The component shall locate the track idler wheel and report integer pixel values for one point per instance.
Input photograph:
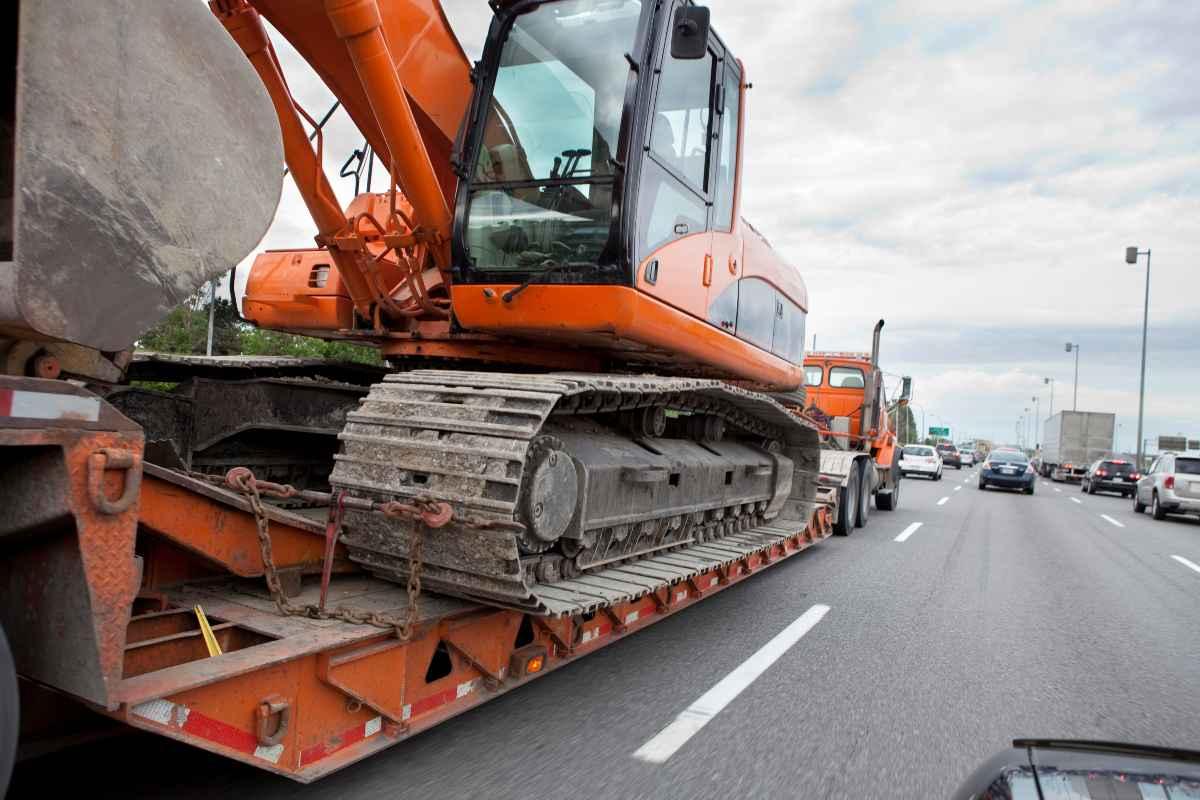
(549, 494)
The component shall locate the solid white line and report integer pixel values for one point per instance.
(1113, 521)
(689, 722)
(1076, 500)
(942, 502)
(907, 532)
(1189, 564)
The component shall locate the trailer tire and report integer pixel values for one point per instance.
(10, 708)
(847, 519)
(864, 495)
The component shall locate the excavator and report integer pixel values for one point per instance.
(594, 365)
(589, 341)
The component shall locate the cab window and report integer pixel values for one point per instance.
(813, 376)
(846, 378)
(725, 183)
(673, 196)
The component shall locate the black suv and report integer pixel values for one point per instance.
(950, 456)
(1110, 475)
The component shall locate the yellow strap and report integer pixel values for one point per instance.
(210, 640)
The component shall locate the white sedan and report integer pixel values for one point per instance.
(920, 459)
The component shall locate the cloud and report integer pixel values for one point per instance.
(971, 172)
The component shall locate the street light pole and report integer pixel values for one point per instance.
(1037, 420)
(1075, 396)
(1050, 381)
(1131, 257)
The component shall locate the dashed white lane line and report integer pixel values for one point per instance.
(943, 501)
(958, 488)
(1076, 500)
(1189, 564)
(1057, 489)
(907, 532)
(1113, 521)
(967, 480)
(689, 722)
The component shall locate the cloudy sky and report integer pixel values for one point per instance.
(972, 173)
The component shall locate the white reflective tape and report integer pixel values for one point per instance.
(48, 405)
(271, 753)
(712, 582)
(680, 595)
(464, 689)
(406, 712)
(160, 711)
(374, 725)
(631, 617)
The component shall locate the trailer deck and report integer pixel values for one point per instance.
(304, 697)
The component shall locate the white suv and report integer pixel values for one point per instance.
(920, 459)
(1172, 486)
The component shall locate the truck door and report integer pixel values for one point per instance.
(674, 236)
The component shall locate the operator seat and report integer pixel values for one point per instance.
(662, 140)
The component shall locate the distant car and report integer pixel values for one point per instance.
(949, 454)
(920, 459)
(1110, 475)
(966, 457)
(1009, 469)
(1172, 486)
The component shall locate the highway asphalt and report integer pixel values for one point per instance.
(999, 616)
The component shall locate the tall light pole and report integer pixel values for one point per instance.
(1050, 381)
(1131, 257)
(1075, 397)
(1037, 418)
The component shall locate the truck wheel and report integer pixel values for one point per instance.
(864, 496)
(847, 519)
(10, 706)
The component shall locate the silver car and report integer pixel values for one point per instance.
(1172, 486)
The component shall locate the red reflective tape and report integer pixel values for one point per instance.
(6, 398)
(343, 740)
(220, 732)
(434, 700)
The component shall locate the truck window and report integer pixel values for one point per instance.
(813, 375)
(846, 378)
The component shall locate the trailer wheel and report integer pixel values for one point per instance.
(847, 519)
(864, 496)
(10, 707)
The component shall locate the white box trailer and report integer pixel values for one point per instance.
(1072, 440)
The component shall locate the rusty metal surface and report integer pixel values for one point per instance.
(68, 566)
(465, 438)
(142, 172)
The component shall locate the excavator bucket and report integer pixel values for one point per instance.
(139, 158)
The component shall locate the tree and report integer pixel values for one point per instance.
(905, 424)
(185, 330)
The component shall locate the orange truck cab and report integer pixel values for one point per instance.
(845, 396)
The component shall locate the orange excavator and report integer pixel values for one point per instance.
(569, 202)
(588, 416)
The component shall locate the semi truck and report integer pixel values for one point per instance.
(1072, 440)
(859, 452)
(580, 427)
